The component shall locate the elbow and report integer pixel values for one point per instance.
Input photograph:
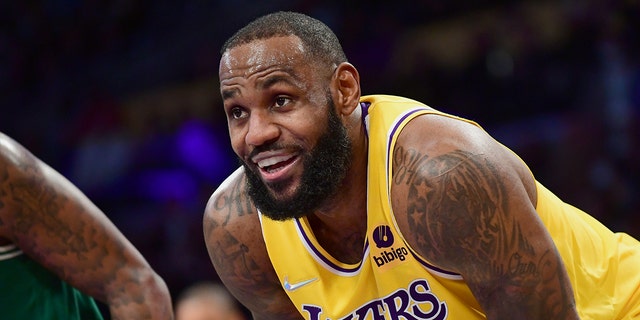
(141, 292)
(158, 290)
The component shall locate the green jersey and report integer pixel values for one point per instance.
(29, 291)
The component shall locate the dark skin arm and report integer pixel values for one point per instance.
(468, 205)
(238, 253)
(55, 224)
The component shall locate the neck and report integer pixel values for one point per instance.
(340, 225)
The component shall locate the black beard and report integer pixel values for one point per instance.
(325, 168)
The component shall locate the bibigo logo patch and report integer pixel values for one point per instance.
(384, 254)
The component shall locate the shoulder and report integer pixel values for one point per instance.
(442, 136)
(19, 173)
(466, 203)
(20, 167)
(230, 204)
(233, 237)
(436, 145)
(231, 224)
(452, 174)
(230, 216)
(13, 155)
(231, 196)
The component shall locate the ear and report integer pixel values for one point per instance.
(347, 88)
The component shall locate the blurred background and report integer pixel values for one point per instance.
(122, 97)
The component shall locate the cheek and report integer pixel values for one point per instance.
(237, 149)
(237, 141)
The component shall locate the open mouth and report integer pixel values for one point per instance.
(275, 164)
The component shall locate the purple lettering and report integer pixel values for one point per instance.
(375, 307)
(420, 292)
(414, 303)
(314, 311)
(397, 304)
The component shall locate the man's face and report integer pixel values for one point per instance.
(283, 126)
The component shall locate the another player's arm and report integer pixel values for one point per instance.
(53, 222)
(234, 241)
(467, 205)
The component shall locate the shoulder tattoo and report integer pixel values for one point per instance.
(458, 211)
(456, 202)
(234, 202)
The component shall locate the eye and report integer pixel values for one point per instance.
(281, 102)
(237, 113)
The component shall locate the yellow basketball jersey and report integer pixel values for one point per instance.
(393, 282)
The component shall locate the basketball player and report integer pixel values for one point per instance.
(58, 251)
(381, 207)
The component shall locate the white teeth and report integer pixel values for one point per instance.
(273, 160)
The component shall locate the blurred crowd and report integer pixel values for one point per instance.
(122, 97)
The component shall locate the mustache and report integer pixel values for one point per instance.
(273, 147)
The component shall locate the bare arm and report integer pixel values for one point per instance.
(234, 241)
(468, 205)
(54, 223)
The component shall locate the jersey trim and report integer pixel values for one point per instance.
(390, 143)
(319, 255)
(9, 251)
(433, 269)
(325, 261)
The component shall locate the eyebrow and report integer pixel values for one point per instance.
(229, 93)
(266, 83)
(270, 81)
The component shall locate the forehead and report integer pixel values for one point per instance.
(259, 55)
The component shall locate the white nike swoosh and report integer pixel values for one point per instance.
(295, 286)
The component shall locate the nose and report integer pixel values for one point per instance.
(261, 130)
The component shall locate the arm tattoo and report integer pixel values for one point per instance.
(234, 202)
(40, 205)
(458, 211)
(228, 247)
(63, 232)
(231, 257)
(71, 248)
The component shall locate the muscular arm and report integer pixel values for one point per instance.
(234, 241)
(54, 223)
(467, 205)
